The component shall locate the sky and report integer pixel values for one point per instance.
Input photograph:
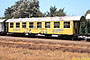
(72, 7)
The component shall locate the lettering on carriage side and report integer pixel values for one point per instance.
(58, 30)
(16, 29)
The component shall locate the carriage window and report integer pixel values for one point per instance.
(66, 24)
(24, 25)
(47, 24)
(30, 24)
(39, 25)
(11, 25)
(17, 25)
(56, 24)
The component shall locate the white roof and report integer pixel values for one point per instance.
(88, 16)
(66, 18)
(2, 20)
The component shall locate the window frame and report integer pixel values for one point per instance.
(31, 26)
(12, 26)
(58, 25)
(17, 26)
(39, 26)
(49, 25)
(24, 25)
(67, 24)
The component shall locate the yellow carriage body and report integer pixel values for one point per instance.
(37, 22)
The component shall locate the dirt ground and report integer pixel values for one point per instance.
(7, 53)
(14, 48)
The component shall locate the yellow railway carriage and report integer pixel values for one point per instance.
(46, 25)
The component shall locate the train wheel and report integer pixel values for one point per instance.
(48, 35)
(32, 35)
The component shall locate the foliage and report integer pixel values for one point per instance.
(60, 12)
(88, 12)
(30, 8)
(24, 8)
(53, 12)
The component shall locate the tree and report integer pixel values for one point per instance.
(88, 12)
(53, 12)
(8, 13)
(24, 8)
(60, 12)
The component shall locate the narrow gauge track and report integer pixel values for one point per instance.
(45, 44)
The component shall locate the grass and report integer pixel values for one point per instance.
(7, 53)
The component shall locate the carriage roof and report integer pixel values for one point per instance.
(66, 18)
(88, 16)
(2, 20)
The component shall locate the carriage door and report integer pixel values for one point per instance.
(6, 27)
(83, 25)
(89, 26)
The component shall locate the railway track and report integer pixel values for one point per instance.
(45, 44)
